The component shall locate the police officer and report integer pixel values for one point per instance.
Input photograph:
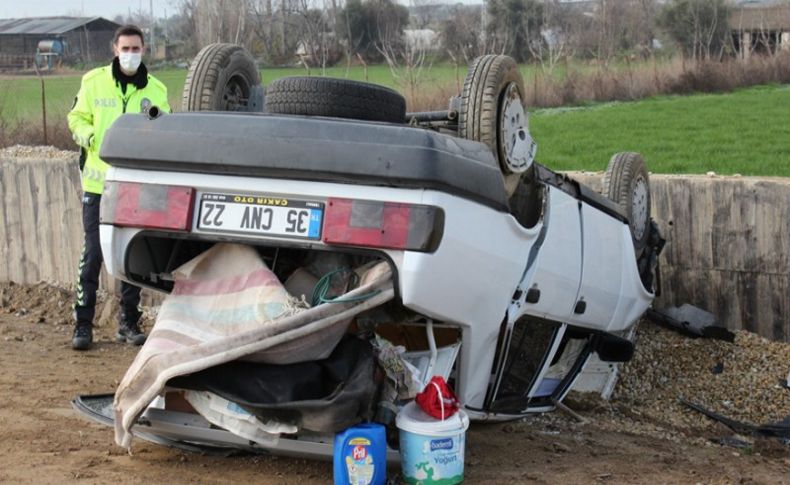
(105, 94)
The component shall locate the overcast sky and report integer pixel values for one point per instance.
(10, 9)
(108, 9)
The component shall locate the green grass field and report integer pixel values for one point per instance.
(741, 132)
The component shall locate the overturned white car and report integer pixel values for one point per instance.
(490, 269)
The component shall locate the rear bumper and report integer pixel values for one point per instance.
(307, 149)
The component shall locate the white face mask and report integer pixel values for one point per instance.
(130, 61)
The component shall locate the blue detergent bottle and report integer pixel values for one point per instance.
(360, 455)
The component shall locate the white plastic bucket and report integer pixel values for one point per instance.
(432, 450)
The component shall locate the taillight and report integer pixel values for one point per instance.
(382, 224)
(147, 206)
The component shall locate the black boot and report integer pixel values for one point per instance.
(128, 324)
(130, 332)
(83, 337)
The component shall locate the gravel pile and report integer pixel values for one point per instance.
(37, 152)
(741, 380)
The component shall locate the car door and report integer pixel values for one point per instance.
(604, 241)
(552, 279)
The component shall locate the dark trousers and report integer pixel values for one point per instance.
(90, 267)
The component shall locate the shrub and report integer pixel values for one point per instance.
(635, 81)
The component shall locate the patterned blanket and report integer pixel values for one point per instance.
(226, 305)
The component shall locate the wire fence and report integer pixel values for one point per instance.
(16, 61)
(33, 107)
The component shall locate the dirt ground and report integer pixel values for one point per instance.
(43, 441)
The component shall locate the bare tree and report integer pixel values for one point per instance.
(623, 27)
(218, 21)
(371, 24)
(512, 25)
(461, 34)
(422, 13)
(700, 27)
(406, 64)
(261, 20)
(405, 57)
(318, 43)
(554, 44)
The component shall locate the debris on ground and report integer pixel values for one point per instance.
(691, 320)
(739, 379)
(779, 430)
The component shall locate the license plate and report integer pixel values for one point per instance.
(260, 215)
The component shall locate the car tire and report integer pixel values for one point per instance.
(490, 79)
(338, 98)
(222, 77)
(626, 182)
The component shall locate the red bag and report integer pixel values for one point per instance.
(437, 399)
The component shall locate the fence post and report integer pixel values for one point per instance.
(43, 101)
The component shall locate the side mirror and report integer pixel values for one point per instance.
(611, 348)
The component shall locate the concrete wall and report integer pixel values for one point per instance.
(728, 247)
(728, 238)
(41, 226)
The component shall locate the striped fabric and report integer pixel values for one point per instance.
(227, 305)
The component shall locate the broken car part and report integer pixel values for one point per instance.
(690, 320)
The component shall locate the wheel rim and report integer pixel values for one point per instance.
(236, 94)
(513, 129)
(639, 207)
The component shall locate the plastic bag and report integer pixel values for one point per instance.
(437, 399)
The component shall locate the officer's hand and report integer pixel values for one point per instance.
(83, 141)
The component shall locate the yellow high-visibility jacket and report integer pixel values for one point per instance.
(99, 103)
